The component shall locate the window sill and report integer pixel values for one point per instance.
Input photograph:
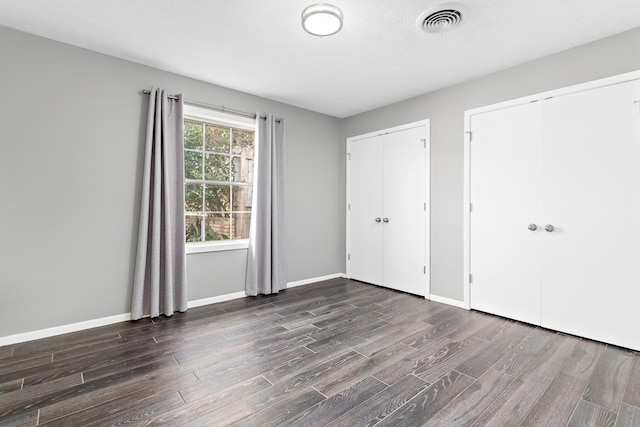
(197, 248)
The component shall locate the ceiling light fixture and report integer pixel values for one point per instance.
(322, 19)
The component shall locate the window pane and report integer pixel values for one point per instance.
(216, 167)
(241, 223)
(218, 227)
(242, 198)
(217, 139)
(242, 169)
(192, 134)
(193, 197)
(243, 142)
(192, 226)
(192, 165)
(217, 152)
(217, 198)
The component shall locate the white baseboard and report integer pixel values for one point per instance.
(315, 279)
(104, 321)
(64, 329)
(213, 300)
(448, 301)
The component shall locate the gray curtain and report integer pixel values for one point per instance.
(159, 285)
(266, 261)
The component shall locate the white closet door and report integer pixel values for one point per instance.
(366, 199)
(404, 209)
(505, 254)
(591, 194)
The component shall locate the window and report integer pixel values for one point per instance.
(218, 184)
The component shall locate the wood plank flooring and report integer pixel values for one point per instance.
(335, 353)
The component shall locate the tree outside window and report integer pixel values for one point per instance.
(218, 163)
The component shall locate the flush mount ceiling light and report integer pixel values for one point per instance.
(442, 18)
(322, 19)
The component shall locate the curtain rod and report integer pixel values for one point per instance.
(213, 107)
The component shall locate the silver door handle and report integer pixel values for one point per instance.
(532, 227)
(385, 220)
(378, 219)
(549, 228)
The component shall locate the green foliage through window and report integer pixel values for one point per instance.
(194, 234)
(218, 163)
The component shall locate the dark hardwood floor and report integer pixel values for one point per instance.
(336, 353)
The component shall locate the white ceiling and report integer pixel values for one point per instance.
(379, 57)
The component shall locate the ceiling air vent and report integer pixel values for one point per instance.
(441, 19)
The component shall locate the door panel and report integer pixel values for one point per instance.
(505, 254)
(404, 207)
(366, 235)
(590, 188)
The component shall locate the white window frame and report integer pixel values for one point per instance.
(206, 114)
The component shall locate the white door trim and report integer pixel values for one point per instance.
(468, 137)
(426, 123)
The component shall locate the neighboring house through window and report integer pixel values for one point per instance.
(218, 184)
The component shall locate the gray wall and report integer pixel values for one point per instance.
(445, 108)
(71, 149)
(71, 125)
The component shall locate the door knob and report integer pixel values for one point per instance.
(378, 219)
(532, 227)
(385, 220)
(549, 228)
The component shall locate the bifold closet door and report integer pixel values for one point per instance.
(405, 210)
(504, 188)
(590, 194)
(387, 213)
(366, 183)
